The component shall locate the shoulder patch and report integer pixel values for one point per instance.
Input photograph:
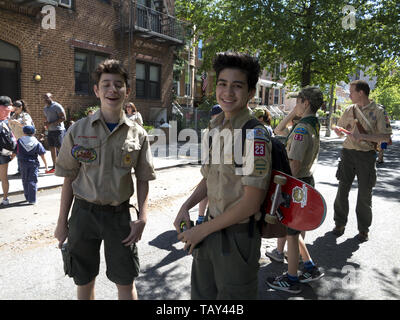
(300, 130)
(261, 134)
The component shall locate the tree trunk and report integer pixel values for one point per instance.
(329, 119)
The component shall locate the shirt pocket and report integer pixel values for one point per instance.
(127, 157)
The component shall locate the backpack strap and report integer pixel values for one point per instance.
(250, 124)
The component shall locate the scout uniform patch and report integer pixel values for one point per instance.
(127, 159)
(260, 167)
(299, 133)
(259, 148)
(260, 134)
(83, 154)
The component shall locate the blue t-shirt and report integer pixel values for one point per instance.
(111, 126)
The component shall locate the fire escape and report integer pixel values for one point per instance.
(150, 20)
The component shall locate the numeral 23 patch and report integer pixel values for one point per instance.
(259, 148)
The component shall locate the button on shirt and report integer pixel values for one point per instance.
(225, 182)
(101, 162)
(377, 118)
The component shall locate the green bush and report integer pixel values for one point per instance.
(83, 112)
(148, 128)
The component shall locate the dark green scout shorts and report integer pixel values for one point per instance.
(89, 225)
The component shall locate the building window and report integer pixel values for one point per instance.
(276, 96)
(266, 96)
(200, 50)
(148, 80)
(65, 3)
(85, 63)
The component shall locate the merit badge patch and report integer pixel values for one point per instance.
(299, 195)
(261, 134)
(83, 154)
(259, 148)
(298, 137)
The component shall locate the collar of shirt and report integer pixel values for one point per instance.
(236, 122)
(122, 119)
(372, 104)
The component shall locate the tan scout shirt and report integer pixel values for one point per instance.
(100, 161)
(303, 145)
(376, 116)
(224, 182)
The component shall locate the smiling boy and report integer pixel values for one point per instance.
(225, 265)
(96, 159)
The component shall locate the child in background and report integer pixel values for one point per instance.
(28, 149)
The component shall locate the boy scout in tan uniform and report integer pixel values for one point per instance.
(359, 156)
(227, 246)
(303, 148)
(96, 159)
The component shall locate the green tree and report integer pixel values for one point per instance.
(310, 36)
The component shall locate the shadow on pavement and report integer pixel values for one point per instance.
(158, 282)
(333, 258)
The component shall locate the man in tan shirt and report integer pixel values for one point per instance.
(226, 248)
(96, 159)
(359, 156)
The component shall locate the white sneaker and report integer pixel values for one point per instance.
(5, 202)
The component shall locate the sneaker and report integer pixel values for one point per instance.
(362, 236)
(311, 275)
(5, 202)
(51, 171)
(338, 230)
(275, 255)
(283, 283)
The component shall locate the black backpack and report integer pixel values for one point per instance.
(280, 161)
(7, 140)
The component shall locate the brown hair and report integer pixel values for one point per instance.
(361, 85)
(110, 66)
(267, 118)
(21, 103)
(132, 105)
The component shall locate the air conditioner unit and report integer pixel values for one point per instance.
(65, 3)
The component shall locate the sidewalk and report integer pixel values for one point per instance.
(47, 181)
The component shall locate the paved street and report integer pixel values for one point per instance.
(31, 266)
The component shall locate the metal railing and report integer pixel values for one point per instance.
(139, 18)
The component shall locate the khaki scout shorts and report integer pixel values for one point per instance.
(89, 225)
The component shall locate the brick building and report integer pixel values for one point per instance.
(54, 45)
